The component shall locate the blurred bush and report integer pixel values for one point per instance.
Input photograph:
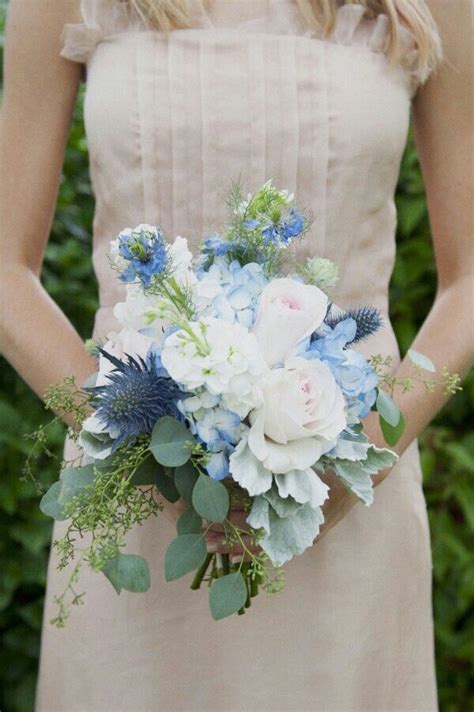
(447, 445)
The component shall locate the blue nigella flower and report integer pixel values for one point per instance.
(286, 230)
(138, 394)
(144, 249)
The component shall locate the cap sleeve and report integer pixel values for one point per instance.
(353, 28)
(100, 19)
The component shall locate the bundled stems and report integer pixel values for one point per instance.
(201, 572)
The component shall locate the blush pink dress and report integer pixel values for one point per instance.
(251, 91)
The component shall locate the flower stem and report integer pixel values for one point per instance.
(225, 563)
(201, 572)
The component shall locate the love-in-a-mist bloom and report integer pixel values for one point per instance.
(140, 254)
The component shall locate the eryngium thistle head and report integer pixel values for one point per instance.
(137, 395)
(367, 318)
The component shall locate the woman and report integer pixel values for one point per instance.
(316, 95)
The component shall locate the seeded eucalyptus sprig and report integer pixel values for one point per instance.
(391, 419)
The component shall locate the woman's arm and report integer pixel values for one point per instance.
(443, 122)
(40, 91)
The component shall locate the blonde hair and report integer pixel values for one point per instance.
(168, 15)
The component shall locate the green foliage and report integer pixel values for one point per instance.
(184, 554)
(446, 446)
(128, 572)
(189, 522)
(227, 595)
(171, 443)
(210, 499)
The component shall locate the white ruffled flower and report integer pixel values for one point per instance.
(181, 262)
(119, 344)
(138, 309)
(224, 358)
(289, 311)
(301, 416)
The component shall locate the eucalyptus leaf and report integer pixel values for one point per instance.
(210, 499)
(184, 554)
(185, 477)
(387, 408)
(128, 572)
(392, 434)
(164, 481)
(189, 522)
(49, 504)
(74, 482)
(171, 442)
(227, 595)
(421, 360)
(146, 473)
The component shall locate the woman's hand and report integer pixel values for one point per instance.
(215, 536)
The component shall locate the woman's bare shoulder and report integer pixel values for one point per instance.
(43, 18)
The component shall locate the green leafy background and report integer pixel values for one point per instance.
(447, 445)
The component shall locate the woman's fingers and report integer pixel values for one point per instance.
(216, 543)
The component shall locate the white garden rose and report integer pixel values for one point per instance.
(288, 312)
(302, 414)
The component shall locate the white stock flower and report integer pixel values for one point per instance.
(288, 312)
(301, 416)
(134, 312)
(127, 341)
(181, 261)
(225, 358)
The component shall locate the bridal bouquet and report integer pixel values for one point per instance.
(228, 385)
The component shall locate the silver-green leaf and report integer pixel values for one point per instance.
(171, 442)
(387, 408)
(128, 572)
(227, 595)
(49, 504)
(210, 499)
(74, 482)
(184, 554)
(189, 522)
(421, 360)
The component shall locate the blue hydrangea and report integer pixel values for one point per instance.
(138, 393)
(350, 368)
(239, 288)
(216, 428)
(144, 251)
(217, 245)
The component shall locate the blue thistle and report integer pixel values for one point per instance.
(367, 318)
(145, 251)
(138, 394)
